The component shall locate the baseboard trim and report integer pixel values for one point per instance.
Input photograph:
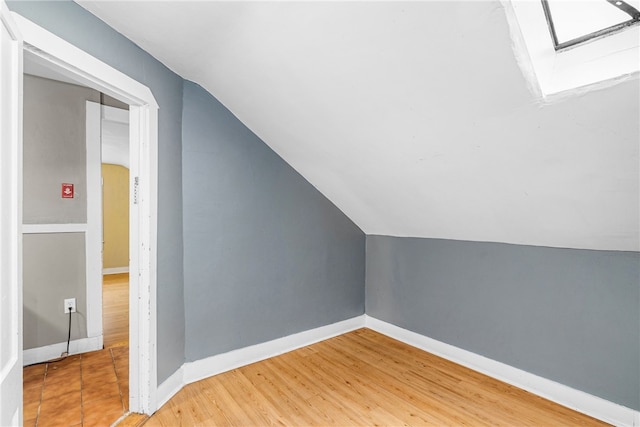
(115, 270)
(170, 387)
(566, 396)
(53, 351)
(194, 371)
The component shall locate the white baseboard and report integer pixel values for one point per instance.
(566, 396)
(204, 368)
(115, 270)
(170, 387)
(53, 351)
(194, 371)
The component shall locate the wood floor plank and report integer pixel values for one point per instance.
(353, 404)
(384, 389)
(280, 393)
(253, 399)
(285, 370)
(389, 372)
(359, 379)
(115, 309)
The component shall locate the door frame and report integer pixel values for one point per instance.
(54, 52)
(93, 245)
(10, 220)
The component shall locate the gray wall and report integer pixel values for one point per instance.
(572, 316)
(72, 23)
(54, 151)
(266, 255)
(54, 269)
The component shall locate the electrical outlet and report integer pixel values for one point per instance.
(69, 303)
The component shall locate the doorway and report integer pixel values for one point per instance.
(63, 231)
(64, 59)
(114, 142)
(108, 128)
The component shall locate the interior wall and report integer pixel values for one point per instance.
(115, 219)
(54, 269)
(77, 26)
(266, 255)
(572, 316)
(54, 152)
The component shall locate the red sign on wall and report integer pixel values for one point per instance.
(67, 191)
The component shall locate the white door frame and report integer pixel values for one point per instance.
(93, 240)
(10, 220)
(52, 51)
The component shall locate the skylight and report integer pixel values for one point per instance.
(574, 22)
(596, 43)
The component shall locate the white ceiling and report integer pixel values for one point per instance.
(413, 118)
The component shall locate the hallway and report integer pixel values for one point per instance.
(90, 389)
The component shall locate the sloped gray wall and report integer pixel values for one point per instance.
(266, 255)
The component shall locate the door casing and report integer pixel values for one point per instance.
(10, 220)
(54, 52)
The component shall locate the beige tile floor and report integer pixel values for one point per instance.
(90, 389)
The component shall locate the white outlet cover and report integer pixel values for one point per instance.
(69, 302)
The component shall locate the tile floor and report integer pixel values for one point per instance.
(90, 389)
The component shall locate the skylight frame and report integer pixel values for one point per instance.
(620, 4)
(552, 75)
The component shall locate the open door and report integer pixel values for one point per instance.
(10, 221)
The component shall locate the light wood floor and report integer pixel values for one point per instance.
(90, 389)
(361, 378)
(115, 310)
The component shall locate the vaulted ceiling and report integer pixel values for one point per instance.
(414, 118)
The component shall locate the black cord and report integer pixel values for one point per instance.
(64, 355)
(69, 335)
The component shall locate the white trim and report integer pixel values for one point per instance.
(194, 371)
(52, 51)
(143, 128)
(53, 351)
(203, 368)
(53, 228)
(170, 386)
(114, 114)
(115, 270)
(566, 396)
(72, 62)
(11, 310)
(93, 240)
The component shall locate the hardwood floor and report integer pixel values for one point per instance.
(90, 389)
(115, 310)
(359, 379)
